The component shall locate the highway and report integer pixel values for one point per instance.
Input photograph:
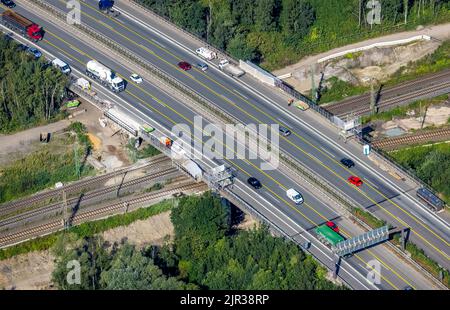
(166, 110)
(140, 33)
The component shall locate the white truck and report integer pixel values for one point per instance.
(61, 65)
(97, 71)
(232, 70)
(206, 53)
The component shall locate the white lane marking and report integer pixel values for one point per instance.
(271, 196)
(240, 94)
(145, 118)
(323, 149)
(295, 119)
(311, 237)
(160, 44)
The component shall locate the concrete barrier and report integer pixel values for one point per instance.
(379, 44)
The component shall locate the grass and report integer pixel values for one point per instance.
(368, 218)
(51, 163)
(143, 152)
(339, 90)
(402, 110)
(419, 256)
(87, 229)
(431, 164)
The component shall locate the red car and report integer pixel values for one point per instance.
(184, 65)
(333, 226)
(355, 180)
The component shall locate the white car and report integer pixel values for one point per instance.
(136, 78)
(294, 196)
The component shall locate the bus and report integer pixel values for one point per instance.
(430, 199)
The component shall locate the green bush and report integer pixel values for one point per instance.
(277, 33)
(430, 163)
(86, 229)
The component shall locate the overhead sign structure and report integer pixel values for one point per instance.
(362, 241)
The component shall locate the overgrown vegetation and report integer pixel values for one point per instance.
(86, 229)
(423, 260)
(430, 163)
(418, 107)
(31, 93)
(338, 90)
(51, 163)
(435, 62)
(432, 63)
(277, 33)
(368, 218)
(206, 254)
(143, 152)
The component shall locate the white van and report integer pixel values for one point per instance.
(58, 63)
(294, 196)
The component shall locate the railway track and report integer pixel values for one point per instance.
(101, 212)
(393, 96)
(73, 187)
(391, 143)
(77, 201)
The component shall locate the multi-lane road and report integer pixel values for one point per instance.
(315, 146)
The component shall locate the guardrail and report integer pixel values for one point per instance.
(155, 15)
(190, 92)
(238, 201)
(284, 86)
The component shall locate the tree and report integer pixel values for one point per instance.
(93, 259)
(239, 48)
(297, 16)
(198, 222)
(190, 15)
(265, 18)
(131, 270)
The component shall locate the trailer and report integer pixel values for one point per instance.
(232, 70)
(206, 53)
(328, 236)
(106, 76)
(26, 27)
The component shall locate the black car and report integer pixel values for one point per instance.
(9, 3)
(347, 162)
(284, 131)
(254, 182)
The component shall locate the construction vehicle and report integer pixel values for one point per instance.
(83, 84)
(26, 27)
(105, 76)
(232, 70)
(166, 141)
(301, 105)
(206, 53)
(328, 236)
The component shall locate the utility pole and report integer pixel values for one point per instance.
(76, 159)
(373, 104)
(313, 84)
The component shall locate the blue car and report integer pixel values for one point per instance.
(9, 3)
(202, 66)
(35, 52)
